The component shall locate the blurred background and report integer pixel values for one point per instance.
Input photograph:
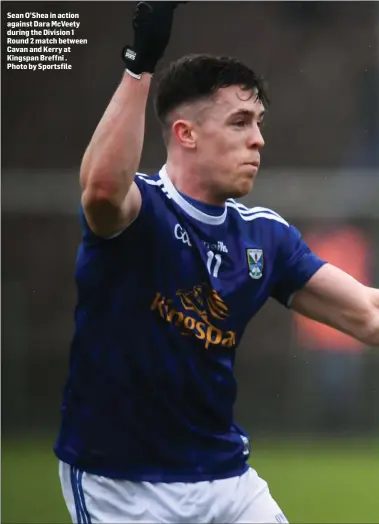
(308, 396)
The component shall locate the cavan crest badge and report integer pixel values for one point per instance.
(255, 262)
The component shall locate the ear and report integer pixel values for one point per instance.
(184, 133)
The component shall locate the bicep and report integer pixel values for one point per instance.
(104, 218)
(335, 298)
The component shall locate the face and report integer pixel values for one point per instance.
(228, 142)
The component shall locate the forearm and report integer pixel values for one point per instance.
(336, 299)
(113, 154)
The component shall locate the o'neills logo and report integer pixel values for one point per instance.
(199, 304)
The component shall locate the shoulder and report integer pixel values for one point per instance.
(150, 184)
(155, 196)
(254, 215)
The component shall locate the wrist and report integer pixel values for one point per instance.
(139, 82)
(134, 75)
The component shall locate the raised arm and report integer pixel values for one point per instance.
(336, 299)
(110, 199)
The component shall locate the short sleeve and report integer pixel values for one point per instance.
(146, 210)
(295, 265)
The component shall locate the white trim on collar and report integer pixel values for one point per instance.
(186, 206)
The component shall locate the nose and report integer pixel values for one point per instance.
(255, 140)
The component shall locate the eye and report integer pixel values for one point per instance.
(240, 123)
(260, 124)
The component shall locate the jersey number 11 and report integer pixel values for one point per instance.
(213, 263)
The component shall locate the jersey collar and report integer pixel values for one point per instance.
(191, 210)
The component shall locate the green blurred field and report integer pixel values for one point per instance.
(314, 482)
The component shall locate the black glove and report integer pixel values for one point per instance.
(152, 24)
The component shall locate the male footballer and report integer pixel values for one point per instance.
(170, 271)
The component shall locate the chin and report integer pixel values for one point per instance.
(243, 188)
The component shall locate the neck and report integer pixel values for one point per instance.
(189, 182)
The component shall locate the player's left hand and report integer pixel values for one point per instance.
(152, 24)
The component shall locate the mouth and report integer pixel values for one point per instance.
(254, 166)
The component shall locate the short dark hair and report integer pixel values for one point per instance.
(196, 77)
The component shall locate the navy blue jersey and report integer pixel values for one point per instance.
(161, 310)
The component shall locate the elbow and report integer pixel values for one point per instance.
(100, 200)
(99, 188)
(93, 192)
(363, 322)
(102, 212)
(366, 327)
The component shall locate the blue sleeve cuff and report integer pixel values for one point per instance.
(296, 276)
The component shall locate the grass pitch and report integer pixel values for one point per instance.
(323, 482)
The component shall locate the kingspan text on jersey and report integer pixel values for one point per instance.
(187, 324)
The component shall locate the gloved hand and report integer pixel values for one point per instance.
(152, 24)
